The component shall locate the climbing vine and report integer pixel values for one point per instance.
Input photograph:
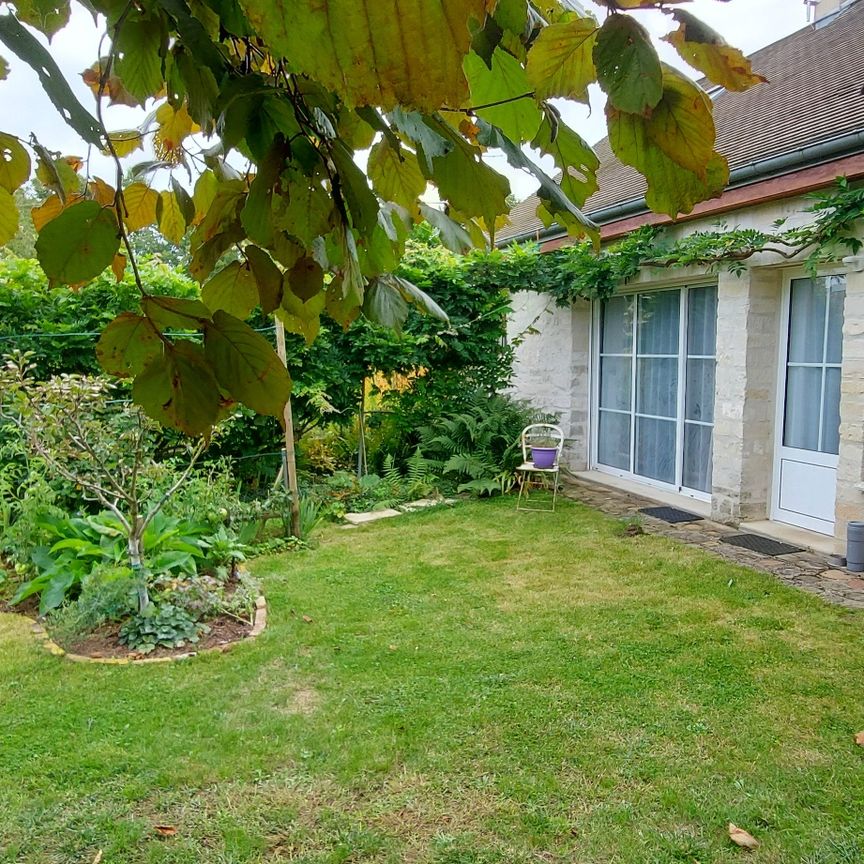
(578, 271)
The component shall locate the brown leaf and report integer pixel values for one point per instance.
(307, 619)
(859, 739)
(98, 858)
(118, 266)
(165, 830)
(741, 838)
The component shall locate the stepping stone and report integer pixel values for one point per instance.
(372, 516)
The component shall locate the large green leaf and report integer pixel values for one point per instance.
(36, 56)
(506, 83)
(8, 217)
(429, 142)
(48, 16)
(470, 185)
(396, 176)
(233, 289)
(573, 156)
(374, 52)
(246, 365)
(681, 124)
(561, 61)
(268, 278)
(672, 188)
(128, 344)
(304, 211)
(139, 65)
(628, 68)
(14, 163)
(167, 312)
(452, 235)
(179, 389)
(79, 244)
(706, 50)
(385, 305)
(302, 317)
(361, 202)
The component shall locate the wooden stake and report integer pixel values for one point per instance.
(290, 455)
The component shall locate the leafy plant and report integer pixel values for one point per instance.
(163, 626)
(480, 447)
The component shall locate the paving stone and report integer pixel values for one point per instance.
(373, 516)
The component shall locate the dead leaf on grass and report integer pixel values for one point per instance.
(307, 619)
(859, 739)
(741, 838)
(165, 830)
(98, 857)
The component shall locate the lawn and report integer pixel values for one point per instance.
(462, 686)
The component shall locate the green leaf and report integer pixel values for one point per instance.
(268, 278)
(184, 201)
(14, 163)
(233, 289)
(561, 61)
(25, 46)
(128, 344)
(305, 279)
(257, 213)
(573, 156)
(79, 244)
(681, 124)
(167, 312)
(202, 89)
(362, 203)
(706, 50)
(179, 389)
(385, 305)
(246, 365)
(47, 16)
(430, 143)
(470, 185)
(396, 176)
(519, 118)
(4, 69)
(139, 66)
(414, 295)
(306, 212)
(549, 192)
(374, 52)
(8, 217)
(628, 68)
(453, 236)
(672, 189)
(302, 317)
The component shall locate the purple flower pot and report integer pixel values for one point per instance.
(544, 457)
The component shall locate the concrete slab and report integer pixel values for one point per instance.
(372, 516)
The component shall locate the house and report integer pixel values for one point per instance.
(740, 396)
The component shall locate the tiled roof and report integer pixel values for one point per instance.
(815, 93)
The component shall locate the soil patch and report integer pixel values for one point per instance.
(104, 643)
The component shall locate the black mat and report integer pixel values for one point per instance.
(763, 545)
(672, 515)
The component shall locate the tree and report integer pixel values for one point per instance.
(295, 91)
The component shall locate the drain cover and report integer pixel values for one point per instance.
(763, 545)
(670, 514)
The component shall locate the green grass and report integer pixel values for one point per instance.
(476, 686)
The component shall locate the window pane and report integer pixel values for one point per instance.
(615, 382)
(807, 321)
(658, 323)
(613, 440)
(655, 449)
(803, 394)
(699, 397)
(698, 447)
(617, 329)
(702, 321)
(657, 386)
(831, 412)
(836, 298)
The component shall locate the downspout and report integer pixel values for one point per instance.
(743, 175)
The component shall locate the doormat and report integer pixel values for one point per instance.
(763, 545)
(672, 515)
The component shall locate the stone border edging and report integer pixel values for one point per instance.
(258, 625)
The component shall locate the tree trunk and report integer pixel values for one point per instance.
(135, 564)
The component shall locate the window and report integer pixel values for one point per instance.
(655, 394)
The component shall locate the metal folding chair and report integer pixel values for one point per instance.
(534, 473)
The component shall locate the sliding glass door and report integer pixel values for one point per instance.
(655, 387)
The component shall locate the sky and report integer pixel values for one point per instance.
(25, 109)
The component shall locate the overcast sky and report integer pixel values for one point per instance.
(24, 108)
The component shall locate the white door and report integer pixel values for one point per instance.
(809, 420)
